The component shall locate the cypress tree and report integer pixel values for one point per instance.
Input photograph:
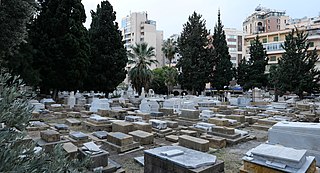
(108, 55)
(195, 57)
(296, 72)
(252, 73)
(222, 73)
(61, 44)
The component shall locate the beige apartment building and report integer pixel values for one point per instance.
(272, 42)
(265, 20)
(137, 28)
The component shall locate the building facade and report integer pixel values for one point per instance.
(265, 20)
(137, 28)
(272, 42)
(235, 42)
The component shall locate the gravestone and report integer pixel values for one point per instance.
(144, 138)
(180, 159)
(194, 143)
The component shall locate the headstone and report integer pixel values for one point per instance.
(71, 100)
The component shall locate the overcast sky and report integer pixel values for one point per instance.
(170, 15)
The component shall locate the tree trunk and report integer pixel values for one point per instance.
(276, 96)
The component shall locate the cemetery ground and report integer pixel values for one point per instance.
(231, 155)
(188, 134)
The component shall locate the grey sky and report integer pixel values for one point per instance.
(172, 14)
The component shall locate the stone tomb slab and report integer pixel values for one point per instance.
(73, 122)
(166, 111)
(172, 138)
(78, 138)
(90, 126)
(163, 160)
(189, 132)
(215, 141)
(142, 126)
(120, 142)
(144, 138)
(190, 114)
(50, 135)
(122, 126)
(70, 149)
(194, 143)
(98, 160)
(100, 134)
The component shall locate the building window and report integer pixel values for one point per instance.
(142, 33)
(273, 58)
(141, 39)
(285, 21)
(232, 36)
(264, 40)
(268, 20)
(232, 49)
(278, 27)
(311, 44)
(276, 38)
(233, 58)
(268, 27)
(278, 20)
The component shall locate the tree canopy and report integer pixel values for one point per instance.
(195, 63)
(108, 55)
(222, 73)
(252, 73)
(296, 72)
(61, 45)
(141, 57)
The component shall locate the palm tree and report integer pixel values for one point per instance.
(141, 57)
(169, 48)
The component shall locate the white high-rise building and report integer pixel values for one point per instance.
(137, 28)
(235, 42)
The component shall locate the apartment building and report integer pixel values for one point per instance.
(272, 42)
(265, 20)
(235, 42)
(137, 28)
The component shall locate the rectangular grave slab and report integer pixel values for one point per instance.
(133, 118)
(156, 114)
(172, 124)
(190, 114)
(78, 136)
(297, 135)
(119, 138)
(61, 127)
(172, 138)
(50, 136)
(73, 122)
(279, 158)
(283, 155)
(194, 143)
(144, 138)
(158, 124)
(189, 132)
(122, 126)
(90, 126)
(100, 134)
(98, 160)
(219, 121)
(166, 111)
(70, 149)
(215, 141)
(145, 116)
(181, 160)
(142, 126)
